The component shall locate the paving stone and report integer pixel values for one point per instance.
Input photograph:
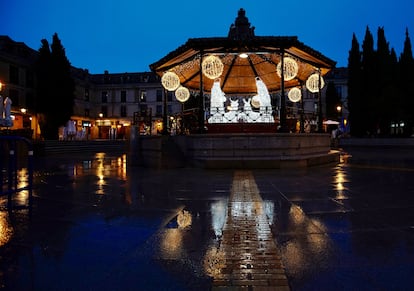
(252, 260)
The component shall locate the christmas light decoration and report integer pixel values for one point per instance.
(170, 81)
(290, 68)
(212, 67)
(313, 81)
(294, 94)
(182, 94)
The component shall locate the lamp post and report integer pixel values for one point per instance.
(339, 110)
(100, 125)
(320, 116)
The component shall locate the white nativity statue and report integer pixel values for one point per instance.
(217, 100)
(261, 101)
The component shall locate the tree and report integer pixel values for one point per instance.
(406, 68)
(55, 88)
(354, 89)
(369, 83)
(380, 91)
(386, 89)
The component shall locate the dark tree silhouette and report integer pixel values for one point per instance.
(369, 83)
(406, 100)
(55, 93)
(354, 89)
(380, 91)
(386, 89)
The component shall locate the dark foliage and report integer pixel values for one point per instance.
(55, 93)
(380, 90)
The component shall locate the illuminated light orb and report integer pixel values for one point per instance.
(313, 81)
(182, 94)
(212, 67)
(295, 95)
(290, 69)
(170, 81)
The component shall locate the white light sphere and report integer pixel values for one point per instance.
(182, 94)
(295, 94)
(170, 81)
(290, 69)
(313, 81)
(212, 67)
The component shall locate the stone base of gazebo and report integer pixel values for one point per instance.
(242, 127)
(238, 150)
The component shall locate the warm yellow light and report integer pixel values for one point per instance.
(294, 94)
(243, 55)
(6, 231)
(338, 108)
(23, 110)
(212, 67)
(1, 85)
(184, 219)
(313, 81)
(290, 68)
(170, 81)
(100, 115)
(182, 94)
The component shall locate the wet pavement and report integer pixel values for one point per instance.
(98, 224)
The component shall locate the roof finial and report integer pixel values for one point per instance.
(241, 29)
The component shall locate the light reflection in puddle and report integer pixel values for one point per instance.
(171, 243)
(184, 219)
(22, 197)
(171, 240)
(246, 235)
(339, 183)
(6, 231)
(218, 216)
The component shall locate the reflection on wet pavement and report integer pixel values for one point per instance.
(98, 224)
(247, 255)
(6, 231)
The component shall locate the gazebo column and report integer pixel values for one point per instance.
(320, 121)
(302, 111)
(282, 94)
(201, 101)
(165, 114)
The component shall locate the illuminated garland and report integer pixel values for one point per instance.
(170, 81)
(290, 68)
(212, 67)
(294, 94)
(313, 81)
(182, 94)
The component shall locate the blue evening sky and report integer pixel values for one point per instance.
(129, 35)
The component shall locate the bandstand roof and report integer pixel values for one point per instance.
(238, 77)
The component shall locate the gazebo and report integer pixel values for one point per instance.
(235, 79)
(237, 61)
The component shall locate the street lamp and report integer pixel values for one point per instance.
(339, 110)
